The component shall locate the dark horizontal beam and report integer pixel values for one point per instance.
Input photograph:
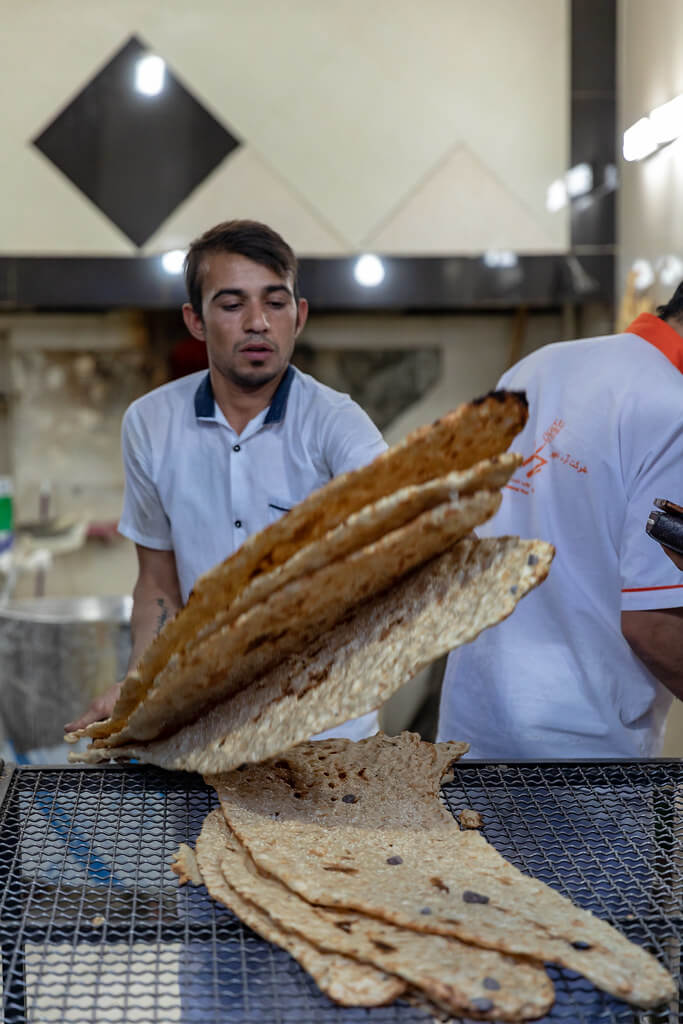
(426, 284)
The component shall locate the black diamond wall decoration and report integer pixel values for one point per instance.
(135, 155)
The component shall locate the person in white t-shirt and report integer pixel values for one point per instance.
(213, 457)
(587, 664)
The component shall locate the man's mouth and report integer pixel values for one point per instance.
(256, 350)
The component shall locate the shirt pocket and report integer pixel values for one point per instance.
(277, 507)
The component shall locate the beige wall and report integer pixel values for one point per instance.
(432, 127)
(650, 73)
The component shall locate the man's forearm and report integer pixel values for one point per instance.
(150, 614)
(156, 599)
(656, 637)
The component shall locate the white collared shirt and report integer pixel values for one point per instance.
(197, 488)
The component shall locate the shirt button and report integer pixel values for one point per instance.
(238, 523)
(236, 448)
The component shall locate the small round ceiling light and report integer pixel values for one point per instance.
(369, 270)
(173, 261)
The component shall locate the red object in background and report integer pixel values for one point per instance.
(187, 356)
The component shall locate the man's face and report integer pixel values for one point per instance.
(249, 320)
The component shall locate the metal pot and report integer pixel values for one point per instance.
(56, 654)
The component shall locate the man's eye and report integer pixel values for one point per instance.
(275, 304)
(234, 305)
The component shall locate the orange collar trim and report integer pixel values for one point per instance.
(650, 328)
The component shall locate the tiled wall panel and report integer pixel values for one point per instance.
(344, 115)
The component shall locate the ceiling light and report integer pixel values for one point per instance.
(610, 178)
(667, 120)
(640, 140)
(173, 261)
(579, 180)
(150, 72)
(671, 270)
(644, 275)
(500, 258)
(556, 196)
(369, 270)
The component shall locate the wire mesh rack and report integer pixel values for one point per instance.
(94, 928)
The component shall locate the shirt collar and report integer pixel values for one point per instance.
(278, 405)
(658, 333)
(205, 405)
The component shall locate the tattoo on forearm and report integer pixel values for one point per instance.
(163, 614)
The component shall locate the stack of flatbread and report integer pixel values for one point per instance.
(323, 615)
(342, 854)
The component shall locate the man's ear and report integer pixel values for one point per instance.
(301, 316)
(193, 322)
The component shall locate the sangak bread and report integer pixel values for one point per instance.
(344, 979)
(363, 528)
(390, 781)
(339, 825)
(361, 662)
(292, 617)
(447, 882)
(474, 431)
(459, 978)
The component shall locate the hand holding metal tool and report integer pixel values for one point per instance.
(665, 525)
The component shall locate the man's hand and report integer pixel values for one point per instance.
(673, 555)
(100, 708)
(156, 598)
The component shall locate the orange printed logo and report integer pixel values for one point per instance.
(536, 463)
(536, 456)
(565, 459)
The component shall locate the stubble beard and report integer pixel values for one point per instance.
(255, 381)
(251, 380)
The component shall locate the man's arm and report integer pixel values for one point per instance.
(656, 637)
(156, 598)
(673, 555)
(350, 439)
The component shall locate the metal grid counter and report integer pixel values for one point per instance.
(94, 928)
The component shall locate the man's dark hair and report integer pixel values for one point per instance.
(673, 309)
(247, 238)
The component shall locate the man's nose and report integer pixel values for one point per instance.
(256, 318)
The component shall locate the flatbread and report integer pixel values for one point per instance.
(372, 820)
(341, 978)
(360, 663)
(389, 781)
(293, 616)
(364, 527)
(457, 977)
(474, 431)
(470, 891)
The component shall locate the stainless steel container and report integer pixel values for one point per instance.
(56, 654)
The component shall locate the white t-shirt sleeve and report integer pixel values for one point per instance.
(649, 579)
(143, 519)
(350, 439)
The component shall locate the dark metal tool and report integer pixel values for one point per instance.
(665, 524)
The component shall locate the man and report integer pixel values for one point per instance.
(213, 457)
(587, 664)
